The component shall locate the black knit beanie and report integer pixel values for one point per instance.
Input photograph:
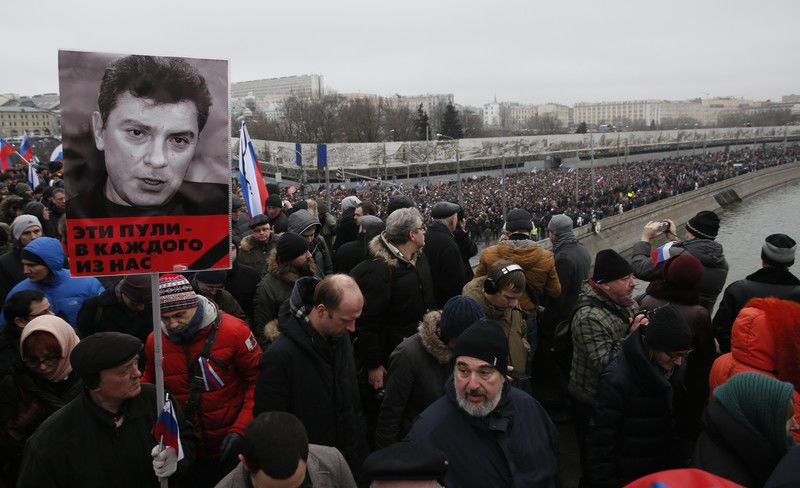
(704, 225)
(610, 266)
(667, 330)
(484, 340)
(290, 245)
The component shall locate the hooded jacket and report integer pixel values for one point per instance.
(514, 446)
(234, 358)
(254, 253)
(766, 282)
(709, 253)
(299, 222)
(764, 339)
(418, 368)
(514, 325)
(65, 293)
(346, 228)
(397, 293)
(633, 431)
(541, 278)
(274, 289)
(314, 378)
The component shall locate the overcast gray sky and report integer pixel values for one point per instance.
(525, 51)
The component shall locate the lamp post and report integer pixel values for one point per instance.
(591, 152)
(458, 165)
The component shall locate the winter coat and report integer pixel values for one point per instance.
(573, 266)
(709, 253)
(241, 282)
(598, 328)
(764, 339)
(106, 312)
(732, 450)
(690, 400)
(350, 254)
(541, 278)
(514, 446)
(65, 293)
(26, 400)
(418, 368)
(326, 468)
(280, 223)
(786, 474)
(79, 446)
(234, 357)
(633, 431)
(299, 222)
(444, 258)
(346, 228)
(397, 293)
(255, 253)
(224, 301)
(241, 227)
(514, 325)
(11, 269)
(766, 282)
(313, 378)
(274, 289)
(9, 349)
(468, 248)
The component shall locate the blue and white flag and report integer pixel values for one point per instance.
(211, 380)
(33, 178)
(254, 191)
(58, 154)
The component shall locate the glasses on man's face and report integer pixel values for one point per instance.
(421, 228)
(679, 355)
(49, 361)
(47, 311)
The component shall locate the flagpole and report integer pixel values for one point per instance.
(157, 352)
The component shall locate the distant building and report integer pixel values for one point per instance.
(278, 89)
(618, 113)
(14, 121)
(790, 99)
(429, 102)
(491, 115)
(558, 111)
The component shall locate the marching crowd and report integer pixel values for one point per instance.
(364, 350)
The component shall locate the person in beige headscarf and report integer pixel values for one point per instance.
(40, 384)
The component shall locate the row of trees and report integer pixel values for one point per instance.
(336, 118)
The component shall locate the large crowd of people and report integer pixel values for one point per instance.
(356, 346)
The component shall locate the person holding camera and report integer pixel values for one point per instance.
(699, 241)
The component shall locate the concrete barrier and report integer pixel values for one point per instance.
(621, 232)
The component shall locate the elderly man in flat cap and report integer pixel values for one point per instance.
(103, 437)
(444, 256)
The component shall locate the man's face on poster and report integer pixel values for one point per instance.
(148, 148)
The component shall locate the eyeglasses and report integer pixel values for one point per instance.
(679, 355)
(420, 228)
(47, 311)
(49, 361)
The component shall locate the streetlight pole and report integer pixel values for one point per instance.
(591, 152)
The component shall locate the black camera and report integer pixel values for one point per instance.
(664, 227)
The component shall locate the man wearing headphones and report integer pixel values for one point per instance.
(498, 293)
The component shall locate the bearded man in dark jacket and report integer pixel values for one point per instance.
(773, 280)
(701, 230)
(309, 370)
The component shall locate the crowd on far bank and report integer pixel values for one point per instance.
(608, 190)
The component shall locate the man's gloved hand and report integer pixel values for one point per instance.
(165, 461)
(230, 447)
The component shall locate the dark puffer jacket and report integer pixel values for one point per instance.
(514, 446)
(418, 368)
(11, 269)
(313, 378)
(766, 282)
(633, 432)
(106, 312)
(234, 357)
(254, 253)
(709, 253)
(397, 293)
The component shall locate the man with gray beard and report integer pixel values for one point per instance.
(492, 434)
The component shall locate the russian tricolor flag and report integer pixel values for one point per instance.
(662, 253)
(211, 379)
(254, 190)
(6, 150)
(58, 154)
(25, 150)
(166, 430)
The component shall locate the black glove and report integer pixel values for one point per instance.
(231, 445)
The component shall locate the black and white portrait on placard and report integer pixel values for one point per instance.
(144, 135)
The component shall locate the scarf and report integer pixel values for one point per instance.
(65, 336)
(627, 303)
(562, 239)
(185, 335)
